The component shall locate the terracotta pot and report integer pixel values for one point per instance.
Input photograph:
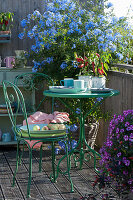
(5, 35)
(5, 32)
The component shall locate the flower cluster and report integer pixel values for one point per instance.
(94, 64)
(67, 27)
(117, 152)
(71, 144)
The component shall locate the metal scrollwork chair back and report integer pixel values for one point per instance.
(35, 83)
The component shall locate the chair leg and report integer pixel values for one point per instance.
(17, 163)
(69, 167)
(40, 161)
(53, 161)
(20, 157)
(30, 172)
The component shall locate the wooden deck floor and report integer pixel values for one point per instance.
(41, 186)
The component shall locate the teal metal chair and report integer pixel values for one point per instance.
(34, 83)
(13, 94)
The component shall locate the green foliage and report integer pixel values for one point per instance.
(68, 27)
(5, 18)
(87, 105)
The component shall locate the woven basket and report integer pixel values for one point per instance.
(91, 131)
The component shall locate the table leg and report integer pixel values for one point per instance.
(82, 118)
(55, 175)
(79, 147)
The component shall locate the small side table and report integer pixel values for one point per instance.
(82, 116)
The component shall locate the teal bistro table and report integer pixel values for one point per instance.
(82, 116)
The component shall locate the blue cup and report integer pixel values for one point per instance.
(68, 82)
(6, 137)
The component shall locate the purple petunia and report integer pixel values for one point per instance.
(118, 136)
(131, 137)
(119, 154)
(109, 143)
(126, 162)
(130, 181)
(116, 152)
(125, 172)
(117, 130)
(126, 137)
(127, 124)
(129, 128)
(122, 130)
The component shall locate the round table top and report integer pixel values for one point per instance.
(81, 95)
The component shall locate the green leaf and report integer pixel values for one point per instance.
(3, 27)
(106, 66)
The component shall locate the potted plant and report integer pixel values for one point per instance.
(6, 19)
(94, 66)
(117, 155)
(20, 59)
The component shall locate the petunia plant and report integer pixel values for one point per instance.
(67, 27)
(117, 153)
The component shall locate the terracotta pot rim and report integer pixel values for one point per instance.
(5, 32)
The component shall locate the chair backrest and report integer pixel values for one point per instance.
(13, 94)
(35, 83)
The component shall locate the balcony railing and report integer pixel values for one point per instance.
(121, 78)
(124, 67)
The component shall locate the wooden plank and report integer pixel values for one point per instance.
(6, 178)
(62, 183)
(22, 177)
(41, 180)
(81, 185)
(60, 190)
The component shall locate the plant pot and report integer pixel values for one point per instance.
(98, 82)
(19, 53)
(20, 60)
(5, 35)
(91, 131)
(87, 79)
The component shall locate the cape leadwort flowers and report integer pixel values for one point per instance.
(117, 152)
(67, 27)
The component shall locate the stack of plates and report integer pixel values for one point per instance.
(65, 90)
(71, 90)
(100, 90)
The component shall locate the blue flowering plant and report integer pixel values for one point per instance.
(117, 154)
(67, 27)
